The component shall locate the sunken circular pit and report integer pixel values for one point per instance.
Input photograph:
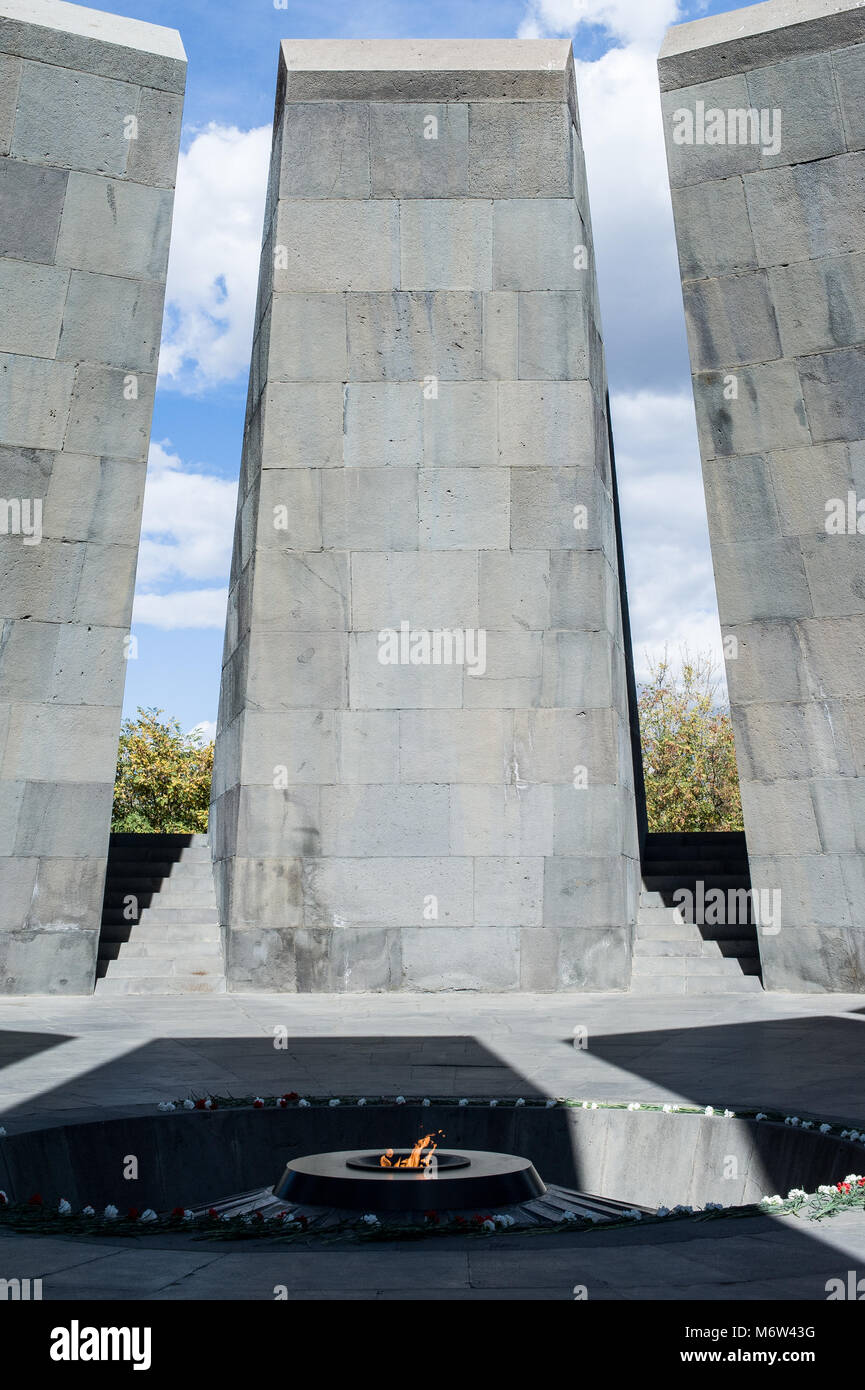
(357, 1181)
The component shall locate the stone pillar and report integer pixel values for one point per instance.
(763, 113)
(425, 462)
(90, 110)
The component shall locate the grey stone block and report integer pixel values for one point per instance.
(410, 335)
(699, 209)
(767, 412)
(835, 569)
(106, 44)
(553, 336)
(308, 338)
(374, 685)
(57, 820)
(337, 244)
(406, 162)
(31, 307)
(353, 515)
(300, 593)
(73, 119)
(463, 508)
(804, 91)
(583, 893)
(546, 424)
(382, 424)
(819, 304)
(325, 150)
(302, 425)
(45, 961)
(741, 499)
(490, 820)
(535, 243)
(451, 958)
(441, 746)
(10, 76)
(389, 821)
(115, 228)
(550, 744)
(543, 510)
(848, 65)
(803, 482)
(365, 959)
(112, 320)
(445, 244)
(832, 385)
(388, 892)
(500, 335)
(508, 892)
(692, 159)
(514, 589)
(110, 412)
(519, 150)
(460, 425)
(31, 205)
(34, 400)
(153, 154)
(730, 321)
(581, 670)
(593, 958)
(808, 210)
(428, 589)
(304, 670)
(761, 579)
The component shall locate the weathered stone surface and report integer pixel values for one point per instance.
(424, 637)
(776, 321)
(83, 252)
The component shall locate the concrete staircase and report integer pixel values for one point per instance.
(673, 954)
(160, 933)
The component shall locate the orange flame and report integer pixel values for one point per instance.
(420, 1156)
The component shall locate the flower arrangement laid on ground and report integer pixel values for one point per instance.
(36, 1216)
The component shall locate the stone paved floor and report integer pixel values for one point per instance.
(81, 1058)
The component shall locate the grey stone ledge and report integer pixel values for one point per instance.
(70, 36)
(405, 70)
(755, 37)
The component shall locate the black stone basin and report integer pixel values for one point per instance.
(473, 1179)
(440, 1160)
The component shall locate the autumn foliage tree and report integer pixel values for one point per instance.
(163, 777)
(689, 759)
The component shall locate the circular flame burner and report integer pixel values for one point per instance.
(397, 1161)
(471, 1179)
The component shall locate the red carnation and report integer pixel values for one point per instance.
(291, 1095)
(212, 1212)
(35, 1200)
(258, 1105)
(177, 1211)
(199, 1105)
(133, 1214)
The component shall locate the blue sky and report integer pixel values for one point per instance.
(198, 419)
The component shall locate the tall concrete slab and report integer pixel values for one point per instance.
(423, 773)
(90, 108)
(763, 113)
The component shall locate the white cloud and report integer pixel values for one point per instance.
(186, 534)
(184, 608)
(188, 522)
(213, 265)
(631, 21)
(207, 730)
(671, 589)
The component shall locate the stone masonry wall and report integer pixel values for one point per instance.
(771, 237)
(90, 108)
(425, 445)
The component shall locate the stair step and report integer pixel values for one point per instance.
(695, 984)
(162, 984)
(161, 950)
(689, 869)
(126, 966)
(734, 947)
